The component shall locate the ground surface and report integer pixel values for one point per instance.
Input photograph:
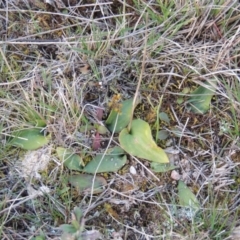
(66, 64)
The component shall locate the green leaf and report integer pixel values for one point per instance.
(75, 223)
(38, 238)
(101, 129)
(29, 139)
(201, 98)
(33, 117)
(78, 213)
(123, 117)
(83, 183)
(180, 100)
(68, 228)
(70, 159)
(139, 142)
(163, 134)
(111, 162)
(186, 197)
(161, 167)
(164, 117)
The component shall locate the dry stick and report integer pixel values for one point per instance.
(140, 80)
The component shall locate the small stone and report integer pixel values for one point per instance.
(175, 175)
(133, 170)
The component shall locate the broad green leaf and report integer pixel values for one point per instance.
(111, 162)
(186, 197)
(162, 167)
(122, 118)
(201, 98)
(83, 183)
(70, 159)
(29, 139)
(139, 142)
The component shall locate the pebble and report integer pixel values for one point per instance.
(133, 170)
(175, 175)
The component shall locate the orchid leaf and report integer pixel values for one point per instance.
(117, 120)
(164, 117)
(162, 167)
(83, 183)
(29, 139)
(70, 159)
(139, 142)
(110, 162)
(201, 98)
(186, 197)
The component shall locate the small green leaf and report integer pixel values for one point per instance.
(40, 123)
(201, 98)
(111, 162)
(164, 117)
(68, 228)
(180, 100)
(186, 90)
(186, 197)
(139, 142)
(69, 159)
(102, 129)
(38, 238)
(161, 167)
(177, 131)
(83, 183)
(78, 213)
(76, 224)
(163, 134)
(29, 139)
(122, 118)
